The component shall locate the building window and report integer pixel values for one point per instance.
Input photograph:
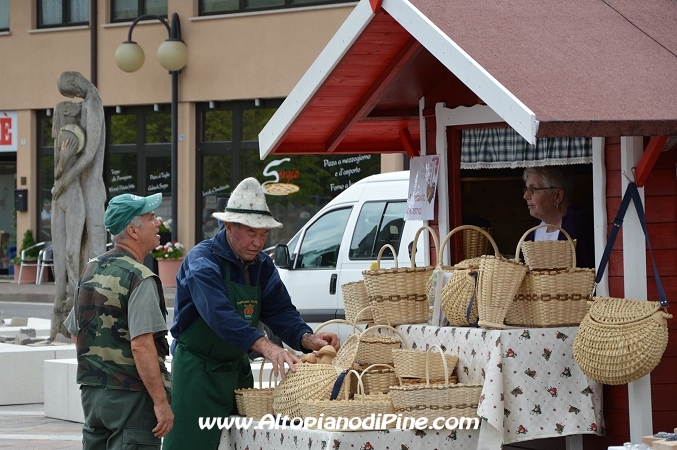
(126, 10)
(297, 186)
(62, 13)
(139, 155)
(210, 7)
(4, 15)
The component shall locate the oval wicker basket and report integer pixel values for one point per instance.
(355, 300)
(309, 382)
(498, 281)
(412, 364)
(621, 340)
(552, 297)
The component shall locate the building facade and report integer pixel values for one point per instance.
(243, 59)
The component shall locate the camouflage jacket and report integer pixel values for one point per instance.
(103, 342)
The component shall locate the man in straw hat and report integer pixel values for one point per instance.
(224, 286)
(120, 333)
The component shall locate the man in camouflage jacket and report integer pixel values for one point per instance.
(118, 323)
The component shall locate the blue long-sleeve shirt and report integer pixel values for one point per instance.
(201, 291)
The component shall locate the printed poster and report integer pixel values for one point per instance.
(423, 172)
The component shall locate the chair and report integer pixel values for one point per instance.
(31, 263)
(45, 260)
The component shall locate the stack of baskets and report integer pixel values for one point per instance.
(399, 294)
(434, 400)
(554, 291)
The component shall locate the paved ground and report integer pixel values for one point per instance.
(25, 427)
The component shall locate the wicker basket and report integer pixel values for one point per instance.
(552, 297)
(362, 406)
(548, 254)
(498, 281)
(460, 288)
(621, 340)
(355, 299)
(377, 378)
(366, 347)
(412, 364)
(308, 382)
(475, 244)
(256, 403)
(399, 294)
(436, 400)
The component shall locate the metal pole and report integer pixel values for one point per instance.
(175, 151)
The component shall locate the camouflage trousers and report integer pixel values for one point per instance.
(117, 419)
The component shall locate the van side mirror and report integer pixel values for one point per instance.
(281, 257)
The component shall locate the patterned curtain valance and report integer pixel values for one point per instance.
(497, 148)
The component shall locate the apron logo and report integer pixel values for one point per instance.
(248, 310)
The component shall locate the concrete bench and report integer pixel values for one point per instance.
(22, 380)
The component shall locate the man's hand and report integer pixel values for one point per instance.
(276, 355)
(165, 420)
(313, 341)
(146, 359)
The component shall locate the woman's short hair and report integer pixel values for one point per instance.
(552, 177)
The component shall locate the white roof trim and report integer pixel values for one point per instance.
(465, 68)
(311, 81)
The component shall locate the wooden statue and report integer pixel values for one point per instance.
(79, 193)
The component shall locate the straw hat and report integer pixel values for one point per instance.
(247, 205)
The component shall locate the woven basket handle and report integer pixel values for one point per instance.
(388, 327)
(413, 248)
(340, 321)
(270, 376)
(359, 313)
(360, 385)
(444, 363)
(440, 250)
(380, 253)
(566, 235)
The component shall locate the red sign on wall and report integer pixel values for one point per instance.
(8, 131)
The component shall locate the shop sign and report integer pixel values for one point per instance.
(423, 172)
(8, 131)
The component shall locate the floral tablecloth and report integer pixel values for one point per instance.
(533, 387)
(354, 440)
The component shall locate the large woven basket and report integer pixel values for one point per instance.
(436, 400)
(355, 299)
(308, 382)
(552, 297)
(256, 403)
(411, 363)
(458, 291)
(498, 281)
(362, 406)
(475, 244)
(399, 294)
(621, 340)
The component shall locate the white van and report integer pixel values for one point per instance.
(342, 240)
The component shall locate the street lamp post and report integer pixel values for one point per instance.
(172, 55)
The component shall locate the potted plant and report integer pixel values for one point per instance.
(165, 230)
(29, 272)
(169, 258)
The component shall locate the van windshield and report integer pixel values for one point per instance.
(378, 224)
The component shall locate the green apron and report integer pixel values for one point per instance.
(206, 370)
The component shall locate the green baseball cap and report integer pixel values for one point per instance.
(123, 208)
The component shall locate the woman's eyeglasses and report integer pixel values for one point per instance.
(531, 189)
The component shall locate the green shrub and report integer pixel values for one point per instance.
(28, 241)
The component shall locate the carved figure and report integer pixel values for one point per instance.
(79, 193)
